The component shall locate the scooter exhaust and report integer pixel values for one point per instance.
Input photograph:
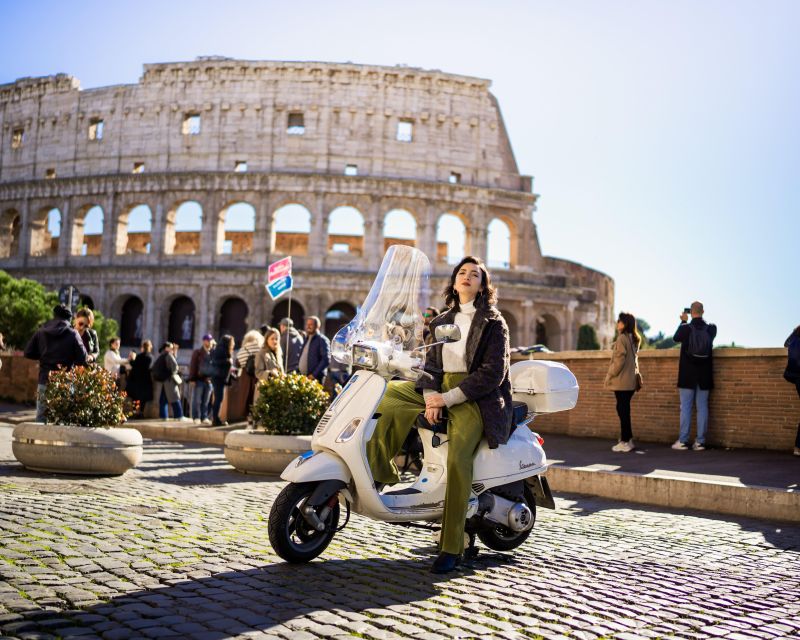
(517, 516)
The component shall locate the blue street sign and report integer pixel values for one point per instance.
(280, 286)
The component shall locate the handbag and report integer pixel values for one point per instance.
(639, 382)
(176, 378)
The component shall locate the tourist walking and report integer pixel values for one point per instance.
(84, 321)
(269, 359)
(140, 383)
(695, 374)
(222, 365)
(792, 373)
(292, 343)
(55, 344)
(470, 378)
(623, 376)
(246, 385)
(200, 379)
(167, 379)
(316, 354)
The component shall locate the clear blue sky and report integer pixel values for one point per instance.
(663, 137)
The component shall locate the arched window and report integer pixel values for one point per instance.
(338, 316)
(240, 226)
(451, 239)
(292, 226)
(346, 231)
(399, 227)
(281, 311)
(137, 232)
(233, 319)
(498, 245)
(180, 329)
(89, 233)
(548, 332)
(183, 228)
(10, 225)
(130, 322)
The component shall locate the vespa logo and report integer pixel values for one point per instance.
(523, 465)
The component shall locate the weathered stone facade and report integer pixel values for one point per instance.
(218, 132)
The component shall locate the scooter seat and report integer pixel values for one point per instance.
(520, 412)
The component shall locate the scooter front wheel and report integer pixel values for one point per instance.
(291, 536)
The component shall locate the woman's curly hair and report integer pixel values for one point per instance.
(486, 297)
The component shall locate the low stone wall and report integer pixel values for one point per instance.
(752, 406)
(18, 377)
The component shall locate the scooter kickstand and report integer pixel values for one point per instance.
(471, 552)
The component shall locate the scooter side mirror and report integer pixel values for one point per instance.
(447, 333)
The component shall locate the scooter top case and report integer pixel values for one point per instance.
(544, 385)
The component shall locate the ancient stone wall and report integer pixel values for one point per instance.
(219, 133)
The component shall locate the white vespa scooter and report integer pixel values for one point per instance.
(385, 341)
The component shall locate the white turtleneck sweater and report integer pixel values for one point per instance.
(454, 354)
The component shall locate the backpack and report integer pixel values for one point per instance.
(792, 373)
(206, 368)
(250, 365)
(699, 345)
(159, 369)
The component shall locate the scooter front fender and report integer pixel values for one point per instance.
(316, 466)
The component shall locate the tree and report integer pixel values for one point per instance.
(587, 338)
(24, 306)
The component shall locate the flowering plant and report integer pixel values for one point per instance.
(289, 405)
(86, 397)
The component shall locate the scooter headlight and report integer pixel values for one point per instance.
(364, 356)
(349, 430)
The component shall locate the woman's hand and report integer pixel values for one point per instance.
(433, 415)
(434, 401)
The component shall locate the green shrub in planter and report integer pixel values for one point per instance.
(86, 397)
(289, 405)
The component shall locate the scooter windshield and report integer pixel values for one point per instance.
(389, 326)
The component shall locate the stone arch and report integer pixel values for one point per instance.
(181, 322)
(399, 227)
(281, 310)
(346, 231)
(548, 332)
(513, 328)
(10, 232)
(233, 313)
(88, 230)
(238, 227)
(135, 230)
(337, 316)
(183, 227)
(291, 229)
(498, 244)
(452, 239)
(46, 231)
(131, 321)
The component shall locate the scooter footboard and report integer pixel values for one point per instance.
(315, 466)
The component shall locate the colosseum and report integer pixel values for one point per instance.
(164, 201)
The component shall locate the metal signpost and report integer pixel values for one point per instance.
(69, 296)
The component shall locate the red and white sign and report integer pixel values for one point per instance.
(279, 269)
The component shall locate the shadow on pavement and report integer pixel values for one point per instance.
(781, 535)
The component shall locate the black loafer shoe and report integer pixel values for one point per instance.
(445, 562)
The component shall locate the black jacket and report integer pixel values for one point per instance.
(55, 344)
(222, 362)
(319, 355)
(292, 342)
(91, 343)
(488, 361)
(694, 372)
(140, 384)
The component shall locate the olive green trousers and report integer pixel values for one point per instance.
(399, 408)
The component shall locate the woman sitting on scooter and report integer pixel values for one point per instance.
(470, 378)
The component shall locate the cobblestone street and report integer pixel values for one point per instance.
(178, 547)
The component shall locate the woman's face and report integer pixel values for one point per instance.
(272, 342)
(81, 324)
(468, 281)
(620, 326)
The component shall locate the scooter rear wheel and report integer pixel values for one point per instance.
(292, 538)
(502, 538)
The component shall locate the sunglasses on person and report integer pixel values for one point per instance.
(80, 325)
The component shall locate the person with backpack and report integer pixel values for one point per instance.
(695, 374)
(792, 373)
(200, 370)
(222, 363)
(167, 379)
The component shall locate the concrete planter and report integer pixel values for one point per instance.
(64, 449)
(256, 452)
